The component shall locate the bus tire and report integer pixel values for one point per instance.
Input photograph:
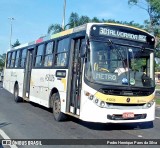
(16, 94)
(56, 108)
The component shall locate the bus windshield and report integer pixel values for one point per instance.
(109, 64)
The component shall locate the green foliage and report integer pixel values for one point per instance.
(138, 64)
(153, 24)
(152, 7)
(73, 20)
(84, 20)
(2, 60)
(54, 28)
(17, 43)
(95, 19)
(76, 20)
(158, 101)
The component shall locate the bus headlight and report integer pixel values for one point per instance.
(102, 103)
(149, 104)
(97, 101)
(91, 97)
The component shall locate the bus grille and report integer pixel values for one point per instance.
(126, 92)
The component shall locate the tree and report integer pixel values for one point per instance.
(152, 7)
(17, 43)
(2, 60)
(76, 20)
(96, 20)
(54, 28)
(73, 20)
(83, 20)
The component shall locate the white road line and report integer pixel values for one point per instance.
(158, 117)
(5, 136)
(140, 136)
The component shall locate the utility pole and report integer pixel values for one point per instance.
(10, 42)
(64, 15)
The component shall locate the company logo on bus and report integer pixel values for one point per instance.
(101, 76)
(128, 100)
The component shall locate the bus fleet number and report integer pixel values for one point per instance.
(49, 77)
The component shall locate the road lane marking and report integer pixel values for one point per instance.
(5, 136)
(140, 136)
(158, 117)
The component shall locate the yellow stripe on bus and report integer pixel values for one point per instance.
(63, 80)
(123, 99)
(66, 32)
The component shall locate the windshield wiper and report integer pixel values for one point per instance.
(118, 52)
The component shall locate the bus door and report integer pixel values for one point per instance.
(27, 74)
(75, 77)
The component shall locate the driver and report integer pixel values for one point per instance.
(101, 65)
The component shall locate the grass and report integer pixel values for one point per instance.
(157, 86)
(158, 96)
(158, 101)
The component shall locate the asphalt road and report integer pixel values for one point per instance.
(31, 121)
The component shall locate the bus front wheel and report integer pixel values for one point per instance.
(16, 94)
(56, 106)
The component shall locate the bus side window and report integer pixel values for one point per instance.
(48, 57)
(39, 56)
(13, 59)
(8, 59)
(62, 52)
(17, 58)
(23, 58)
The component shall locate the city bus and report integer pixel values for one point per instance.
(97, 72)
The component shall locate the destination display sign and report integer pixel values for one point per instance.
(117, 33)
(121, 32)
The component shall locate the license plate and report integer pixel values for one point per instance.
(128, 115)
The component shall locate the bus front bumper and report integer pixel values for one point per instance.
(93, 113)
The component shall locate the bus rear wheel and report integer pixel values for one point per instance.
(16, 94)
(56, 107)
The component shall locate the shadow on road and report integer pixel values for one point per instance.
(102, 126)
(112, 126)
(40, 106)
(4, 124)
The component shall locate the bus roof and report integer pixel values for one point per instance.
(74, 30)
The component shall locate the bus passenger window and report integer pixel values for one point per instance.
(8, 59)
(13, 59)
(48, 58)
(62, 52)
(23, 58)
(61, 59)
(39, 55)
(17, 58)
